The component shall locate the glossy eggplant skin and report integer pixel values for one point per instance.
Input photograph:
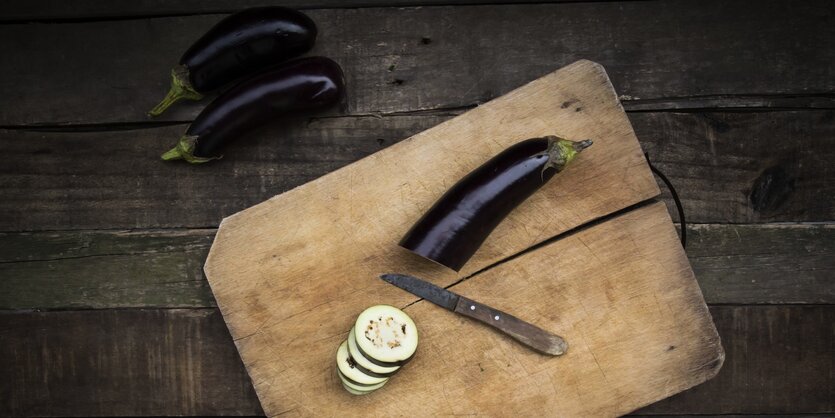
(246, 42)
(240, 45)
(303, 85)
(459, 222)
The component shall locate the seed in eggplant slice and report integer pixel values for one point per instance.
(362, 388)
(364, 364)
(240, 45)
(345, 364)
(459, 222)
(386, 336)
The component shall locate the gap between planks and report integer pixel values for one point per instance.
(155, 258)
(693, 104)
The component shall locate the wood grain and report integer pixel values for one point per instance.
(101, 9)
(121, 363)
(801, 356)
(344, 227)
(89, 269)
(778, 357)
(411, 59)
(764, 264)
(133, 362)
(734, 264)
(90, 180)
(356, 215)
(620, 293)
(736, 415)
(61, 180)
(753, 167)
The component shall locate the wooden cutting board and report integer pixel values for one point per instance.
(291, 274)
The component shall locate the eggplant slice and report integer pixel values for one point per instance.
(354, 391)
(361, 388)
(365, 365)
(347, 367)
(386, 336)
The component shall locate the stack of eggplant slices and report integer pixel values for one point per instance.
(382, 340)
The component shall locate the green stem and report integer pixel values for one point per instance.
(184, 150)
(180, 89)
(563, 151)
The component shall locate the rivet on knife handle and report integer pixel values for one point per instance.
(530, 335)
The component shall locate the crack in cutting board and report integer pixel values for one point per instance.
(291, 273)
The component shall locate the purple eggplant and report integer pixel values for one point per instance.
(306, 84)
(459, 222)
(238, 46)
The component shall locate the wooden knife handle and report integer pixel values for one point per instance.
(528, 334)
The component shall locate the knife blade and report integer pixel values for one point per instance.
(524, 332)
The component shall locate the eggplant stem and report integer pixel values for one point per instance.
(562, 151)
(581, 145)
(180, 89)
(184, 150)
(172, 154)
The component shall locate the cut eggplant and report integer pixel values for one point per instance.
(362, 388)
(365, 365)
(451, 231)
(349, 370)
(386, 336)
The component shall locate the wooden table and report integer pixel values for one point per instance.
(104, 307)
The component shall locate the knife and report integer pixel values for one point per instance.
(528, 334)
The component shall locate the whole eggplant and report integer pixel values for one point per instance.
(459, 222)
(239, 45)
(306, 84)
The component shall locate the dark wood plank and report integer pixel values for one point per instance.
(745, 167)
(739, 264)
(173, 362)
(94, 180)
(112, 269)
(107, 269)
(15, 10)
(410, 59)
(121, 363)
(114, 179)
(735, 102)
(737, 416)
(779, 361)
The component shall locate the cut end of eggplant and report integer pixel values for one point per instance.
(386, 336)
(180, 89)
(184, 150)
